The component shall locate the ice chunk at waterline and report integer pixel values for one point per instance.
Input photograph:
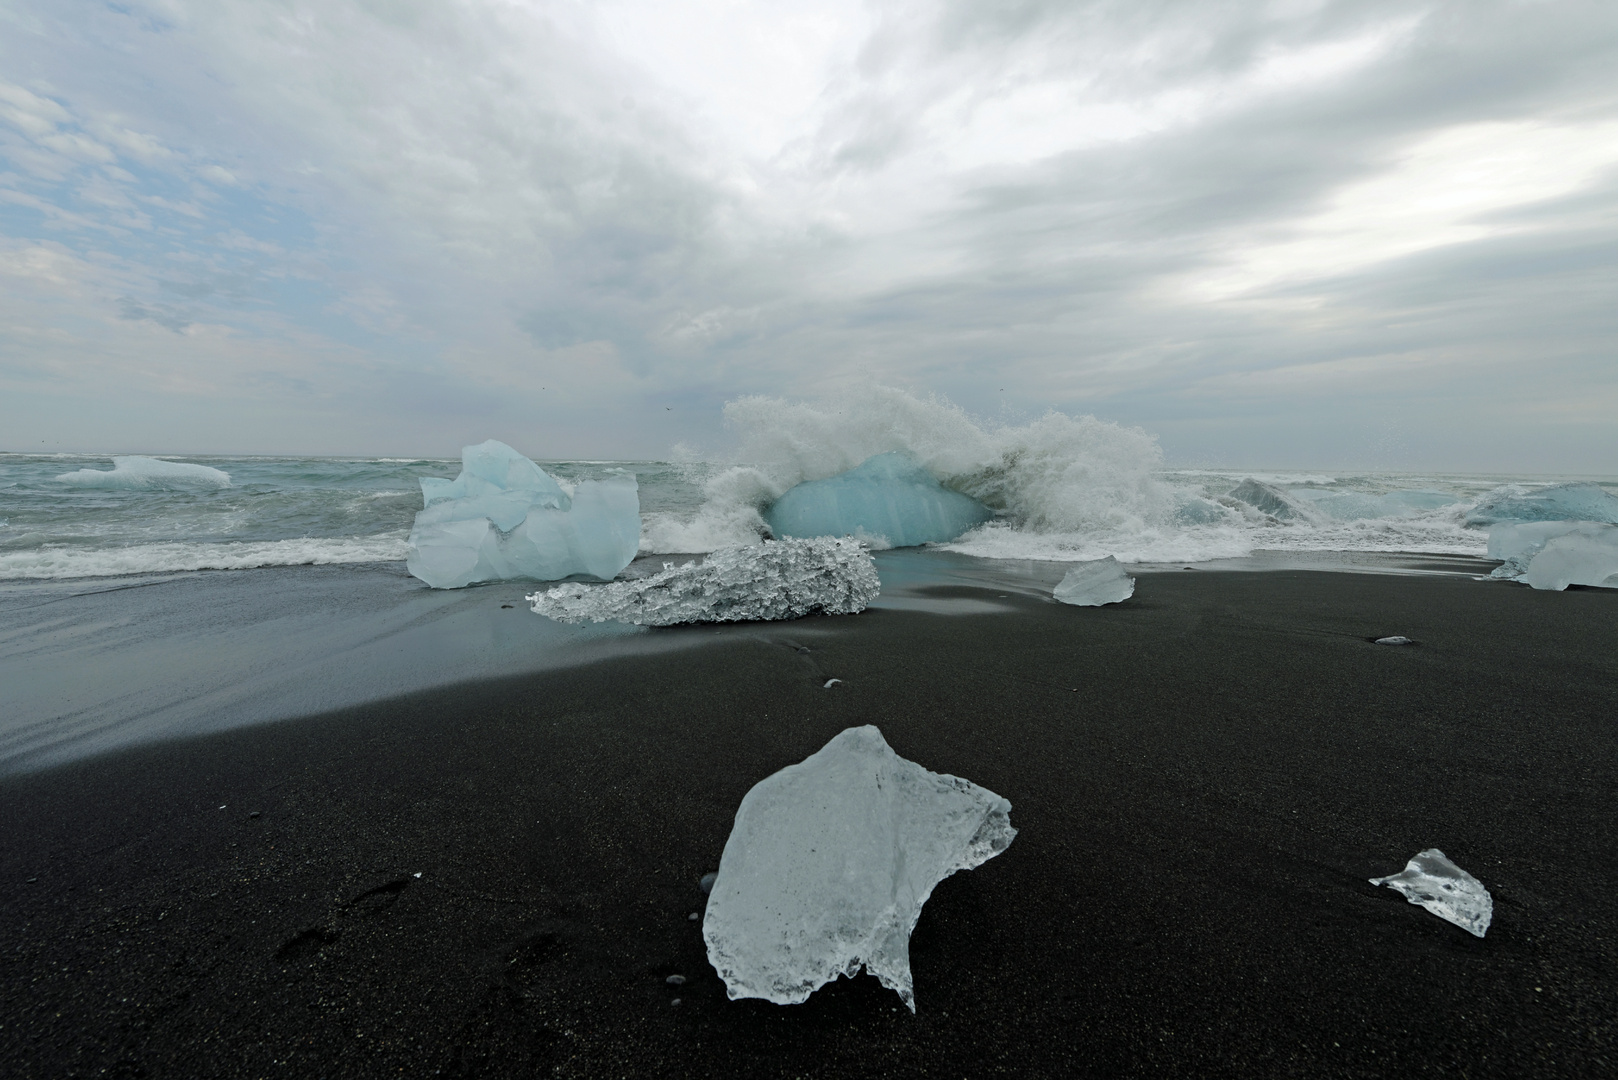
(148, 474)
(1091, 584)
(888, 497)
(1555, 554)
(780, 579)
(1444, 889)
(829, 864)
(504, 517)
(1558, 502)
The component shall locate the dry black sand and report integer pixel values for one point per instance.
(1203, 777)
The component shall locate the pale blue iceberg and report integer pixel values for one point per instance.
(135, 473)
(889, 499)
(505, 518)
(1271, 500)
(1431, 881)
(830, 861)
(1558, 502)
(1095, 583)
(778, 579)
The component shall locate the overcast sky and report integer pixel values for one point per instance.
(1294, 233)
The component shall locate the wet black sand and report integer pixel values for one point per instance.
(1203, 778)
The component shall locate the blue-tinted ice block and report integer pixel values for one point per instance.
(888, 497)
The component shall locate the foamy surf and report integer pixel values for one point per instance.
(66, 562)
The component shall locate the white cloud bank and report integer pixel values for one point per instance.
(1262, 230)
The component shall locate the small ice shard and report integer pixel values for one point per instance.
(1396, 639)
(888, 497)
(1271, 500)
(706, 882)
(1094, 583)
(505, 518)
(1444, 889)
(830, 861)
(148, 474)
(780, 579)
(1557, 502)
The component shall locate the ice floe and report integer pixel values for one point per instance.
(889, 499)
(135, 473)
(1557, 502)
(505, 518)
(779, 579)
(830, 861)
(1444, 889)
(1094, 583)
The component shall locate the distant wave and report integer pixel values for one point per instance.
(67, 562)
(136, 473)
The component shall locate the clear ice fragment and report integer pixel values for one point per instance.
(1094, 583)
(505, 518)
(1444, 889)
(1556, 502)
(830, 861)
(888, 498)
(1587, 555)
(778, 579)
(1396, 639)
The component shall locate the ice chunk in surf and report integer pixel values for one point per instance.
(888, 498)
(1094, 583)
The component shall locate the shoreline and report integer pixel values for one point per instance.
(1203, 778)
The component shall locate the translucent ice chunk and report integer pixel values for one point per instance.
(1587, 555)
(1558, 502)
(1516, 543)
(1091, 584)
(148, 474)
(779, 579)
(830, 861)
(888, 496)
(1271, 500)
(504, 517)
(1444, 889)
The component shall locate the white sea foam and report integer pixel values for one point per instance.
(1063, 487)
(68, 562)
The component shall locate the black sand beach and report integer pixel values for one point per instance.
(1203, 778)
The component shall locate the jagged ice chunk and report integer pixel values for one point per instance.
(1094, 583)
(1444, 889)
(830, 861)
(888, 498)
(505, 518)
(1270, 500)
(1585, 556)
(784, 579)
(135, 473)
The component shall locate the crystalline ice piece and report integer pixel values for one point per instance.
(1396, 639)
(1271, 500)
(1587, 555)
(148, 474)
(1516, 543)
(1444, 889)
(888, 497)
(778, 579)
(1558, 502)
(829, 864)
(1091, 584)
(503, 517)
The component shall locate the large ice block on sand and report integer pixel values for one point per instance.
(778, 579)
(1558, 502)
(888, 497)
(1444, 889)
(135, 473)
(1587, 555)
(1094, 583)
(505, 518)
(829, 864)
(1556, 554)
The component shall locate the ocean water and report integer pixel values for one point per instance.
(1062, 488)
